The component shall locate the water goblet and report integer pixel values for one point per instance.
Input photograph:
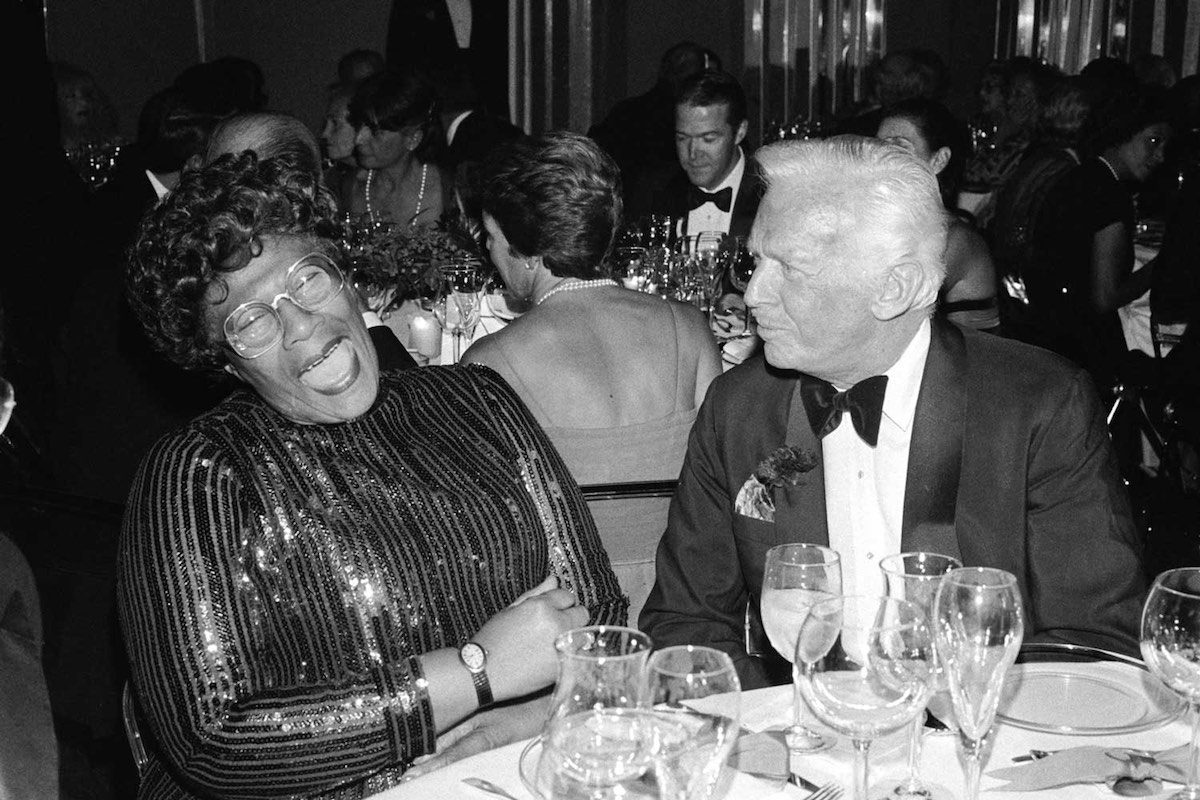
(794, 578)
(633, 267)
(979, 625)
(457, 303)
(865, 667)
(1170, 643)
(915, 577)
(695, 695)
(599, 734)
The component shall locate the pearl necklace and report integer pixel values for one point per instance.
(573, 284)
(420, 195)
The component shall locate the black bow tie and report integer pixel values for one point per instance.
(825, 404)
(698, 197)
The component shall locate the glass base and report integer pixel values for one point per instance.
(901, 789)
(1186, 793)
(802, 740)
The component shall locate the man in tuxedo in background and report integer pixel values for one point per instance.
(955, 442)
(715, 186)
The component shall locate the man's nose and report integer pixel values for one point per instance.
(755, 290)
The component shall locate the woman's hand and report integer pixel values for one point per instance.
(486, 730)
(520, 640)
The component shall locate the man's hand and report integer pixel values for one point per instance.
(486, 730)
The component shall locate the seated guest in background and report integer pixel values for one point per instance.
(957, 442)
(1054, 153)
(337, 564)
(613, 375)
(901, 75)
(639, 132)
(337, 143)
(1085, 233)
(928, 130)
(398, 143)
(717, 187)
(1026, 85)
(270, 135)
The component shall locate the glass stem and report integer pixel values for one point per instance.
(457, 338)
(1194, 756)
(973, 755)
(861, 778)
(914, 754)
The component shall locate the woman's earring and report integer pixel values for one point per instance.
(528, 265)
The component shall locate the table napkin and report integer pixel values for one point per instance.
(1088, 765)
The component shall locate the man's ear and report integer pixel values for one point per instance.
(939, 160)
(741, 131)
(904, 287)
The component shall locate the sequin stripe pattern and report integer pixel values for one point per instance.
(278, 580)
(571, 533)
(215, 703)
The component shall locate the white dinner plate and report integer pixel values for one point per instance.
(1086, 699)
(528, 767)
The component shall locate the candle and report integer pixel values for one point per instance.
(425, 336)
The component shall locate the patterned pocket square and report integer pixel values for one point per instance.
(754, 500)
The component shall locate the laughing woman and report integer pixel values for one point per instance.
(337, 564)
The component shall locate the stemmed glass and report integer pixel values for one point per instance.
(795, 577)
(694, 737)
(1171, 649)
(865, 666)
(456, 304)
(633, 267)
(915, 577)
(979, 628)
(739, 267)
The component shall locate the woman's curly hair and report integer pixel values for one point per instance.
(214, 222)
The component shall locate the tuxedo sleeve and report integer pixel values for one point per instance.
(700, 593)
(1087, 582)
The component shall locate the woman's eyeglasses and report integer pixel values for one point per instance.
(254, 328)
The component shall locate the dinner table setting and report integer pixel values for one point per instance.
(446, 305)
(928, 691)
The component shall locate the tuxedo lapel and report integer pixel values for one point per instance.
(746, 205)
(800, 510)
(935, 451)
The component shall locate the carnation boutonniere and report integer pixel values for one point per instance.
(784, 467)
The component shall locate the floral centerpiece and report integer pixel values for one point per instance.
(389, 264)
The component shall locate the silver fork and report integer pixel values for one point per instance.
(830, 791)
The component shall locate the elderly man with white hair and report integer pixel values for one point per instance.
(955, 442)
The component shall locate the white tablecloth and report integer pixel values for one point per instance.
(771, 706)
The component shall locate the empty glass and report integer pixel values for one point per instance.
(456, 301)
(865, 667)
(915, 577)
(1171, 649)
(794, 577)
(693, 737)
(980, 624)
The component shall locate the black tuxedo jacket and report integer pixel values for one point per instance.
(477, 135)
(667, 194)
(1010, 466)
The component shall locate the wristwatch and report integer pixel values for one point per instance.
(474, 658)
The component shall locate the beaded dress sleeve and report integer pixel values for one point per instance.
(278, 581)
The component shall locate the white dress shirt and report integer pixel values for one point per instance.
(864, 485)
(710, 218)
(157, 185)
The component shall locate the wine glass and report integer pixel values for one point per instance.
(915, 577)
(1171, 649)
(694, 734)
(865, 667)
(457, 303)
(633, 267)
(795, 577)
(979, 628)
(739, 268)
(599, 733)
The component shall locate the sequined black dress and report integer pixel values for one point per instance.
(278, 580)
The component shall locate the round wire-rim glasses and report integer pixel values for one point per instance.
(312, 283)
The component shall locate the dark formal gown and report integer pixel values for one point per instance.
(279, 581)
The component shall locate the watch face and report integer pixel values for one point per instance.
(473, 656)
